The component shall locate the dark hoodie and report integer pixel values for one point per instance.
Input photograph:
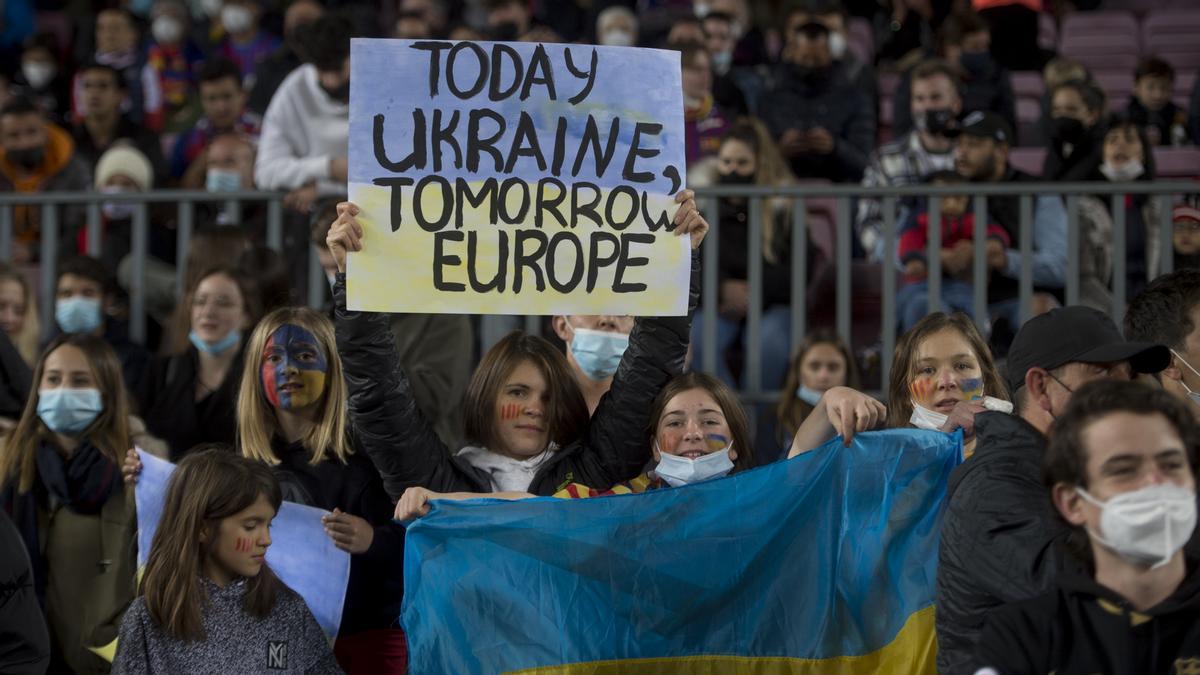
(1083, 627)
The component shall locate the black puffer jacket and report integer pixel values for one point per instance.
(402, 443)
(1001, 541)
(24, 641)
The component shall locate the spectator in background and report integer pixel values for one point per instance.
(1151, 106)
(906, 32)
(1126, 156)
(26, 640)
(595, 344)
(117, 45)
(617, 26)
(272, 71)
(1000, 540)
(1017, 22)
(685, 30)
(936, 106)
(832, 15)
(436, 14)
(306, 130)
(963, 41)
(1060, 70)
(1121, 471)
(17, 22)
(42, 78)
(177, 60)
(228, 167)
(19, 313)
(822, 361)
(957, 253)
(704, 123)
(824, 126)
(720, 37)
(1165, 313)
(85, 301)
(984, 141)
(1076, 133)
(224, 102)
(410, 26)
(1186, 219)
(507, 20)
(37, 156)
(122, 169)
(104, 124)
(246, 44)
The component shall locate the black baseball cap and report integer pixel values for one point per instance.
(1077, 334)
(984, 124)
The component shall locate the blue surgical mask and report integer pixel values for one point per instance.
(809, 396)
(1194, 395)
(69, 411)
(78, 314)
(231, 340)
(222, 180)
(598, 352)
(676, 470)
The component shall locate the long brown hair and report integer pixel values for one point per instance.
(251, 304)
(256, 419)
(900, 406)
(735, 415)
(566, 410)
(205, 488)
(209, 248)
(26, 341)
(109, 432)
(792, 410)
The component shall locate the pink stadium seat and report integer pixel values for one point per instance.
(1047, 32)
(1177, 162)
(1028, 160)
(1170, 24)
(1028, 83)
(1099, 23)
(890, 82)
(1117, 85)
(1110, 51)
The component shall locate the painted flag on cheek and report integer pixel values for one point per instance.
(293, 368)
(821, 564)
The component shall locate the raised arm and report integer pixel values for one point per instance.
(389, 425)
(842, 411)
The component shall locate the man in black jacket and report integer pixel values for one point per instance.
(1120, 467)
(1000, 539)
(24, 641)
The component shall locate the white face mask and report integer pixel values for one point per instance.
(210, 7)
(924, 418)
(236, 18)
(617, 38)
(1194, 395)
(809, 396)
(38, 73)
(683, 471)
(722, 62)
(166, 30)
(1146, 526)
(1126, 171)
(837, 45)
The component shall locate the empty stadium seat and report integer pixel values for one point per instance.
(1029, 160)
(1099, 23)
(1117, 85)
(1111, 51)
(1177, 162)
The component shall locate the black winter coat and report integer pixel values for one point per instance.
(167, 402)
(24, 640)
(392, 431)
(1001, 541)
(1082, 627)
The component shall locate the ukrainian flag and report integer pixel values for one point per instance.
(821, 564)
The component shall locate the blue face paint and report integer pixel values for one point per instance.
(293, 368)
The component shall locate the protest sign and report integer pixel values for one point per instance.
(301, 554)
(516, 178)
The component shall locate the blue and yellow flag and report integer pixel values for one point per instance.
(821, 564)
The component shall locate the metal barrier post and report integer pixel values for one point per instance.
(710, 294)
(275, 224)
(754, 255)
(843, 268)
(183, 244)
(1166, 237)
(1119, 258)
(317, 283)
(49, 264)
(933, 255)
(6, 232)
(93, 230)
(137, 294)
(533, 325)
(1025, 234)
(1073, 271)
(889, 285)
(799, 273)
(982, 271)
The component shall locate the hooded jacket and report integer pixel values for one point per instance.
(1083, 627)
(61, 170)
(1000, 536)
(406, 449)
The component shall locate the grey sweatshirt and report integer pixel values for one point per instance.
(287, 641)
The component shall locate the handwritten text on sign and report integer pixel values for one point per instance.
(516, 178)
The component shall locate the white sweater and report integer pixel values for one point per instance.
(302, 130)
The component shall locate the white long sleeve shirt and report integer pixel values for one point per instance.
(302, 130)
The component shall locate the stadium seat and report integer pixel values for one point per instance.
(1029, 160)
(1117, 85)
(1177, 162)
(1028, 84)
(1047, 32)
(1100, 22)
(1103, 51)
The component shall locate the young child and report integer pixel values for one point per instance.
(822, 362)
(1187, 236)
(1151, 106)
(957, 256)
(208, 599)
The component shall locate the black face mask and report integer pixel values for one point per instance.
(735, 179)
(508, 31)
(341, 93)
(978, 64)
(1067, 130)
(937, 121)
(812, 74)
(27, 158)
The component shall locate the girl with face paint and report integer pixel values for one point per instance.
(60, 481)
(524, 415)
(942, 376)
(189, 397)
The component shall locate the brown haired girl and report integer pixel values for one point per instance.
(62, 486)
(525, 417)
(942, 375)
(209, 601)
(18, 312)
(822, 362)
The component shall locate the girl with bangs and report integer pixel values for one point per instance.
(942, 375)
(526, 420)
(291, 415)
(60, 478)
(209, 601)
